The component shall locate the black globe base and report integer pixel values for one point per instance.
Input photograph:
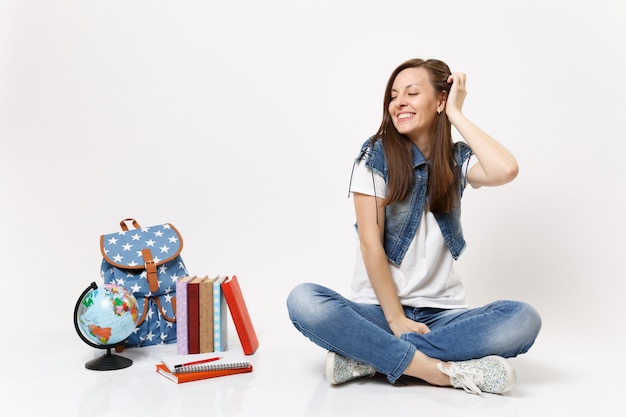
(108, 362)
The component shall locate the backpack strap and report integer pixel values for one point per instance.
(162, 310)
(145, 312)
(151, 269)
(124, 226)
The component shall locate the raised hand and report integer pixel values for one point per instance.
(457, 94)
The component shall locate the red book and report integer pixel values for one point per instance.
(241, 316)
(193, 315)
(180, 378)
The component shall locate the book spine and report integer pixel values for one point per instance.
(193, 315)
(182, 340)
(206, 316)
(223, 319)
(241, 316)
(219, 337)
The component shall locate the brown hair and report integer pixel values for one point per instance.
(442, 181)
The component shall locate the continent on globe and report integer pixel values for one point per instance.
(102, 333)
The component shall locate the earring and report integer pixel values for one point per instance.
(439, 112)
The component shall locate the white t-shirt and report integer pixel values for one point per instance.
(426, 277)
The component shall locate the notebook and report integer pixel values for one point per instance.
(185, 368)
(197, 376)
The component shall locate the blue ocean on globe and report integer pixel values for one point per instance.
(107, 315)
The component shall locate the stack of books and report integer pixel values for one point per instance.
(202, 306)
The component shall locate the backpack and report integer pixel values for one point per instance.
(147, 262)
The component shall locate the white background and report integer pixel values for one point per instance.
(238, 122)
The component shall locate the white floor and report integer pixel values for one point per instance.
(288, 381)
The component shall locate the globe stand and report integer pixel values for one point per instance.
(108, 362)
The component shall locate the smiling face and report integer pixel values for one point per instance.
(414, 104)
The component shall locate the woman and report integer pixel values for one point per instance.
(407, 312)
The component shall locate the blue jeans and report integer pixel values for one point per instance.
(360, 331)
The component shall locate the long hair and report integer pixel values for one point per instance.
(442, 179)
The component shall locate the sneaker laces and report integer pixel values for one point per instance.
(361, 369)
(468, 379)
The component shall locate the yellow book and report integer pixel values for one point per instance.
(206, 315)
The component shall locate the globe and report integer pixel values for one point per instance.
(104, 317)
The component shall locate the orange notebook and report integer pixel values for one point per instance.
(210, 372)
(241, 316)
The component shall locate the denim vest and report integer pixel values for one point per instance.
(402, 219)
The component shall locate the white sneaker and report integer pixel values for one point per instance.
(340, 369)
(491, 374)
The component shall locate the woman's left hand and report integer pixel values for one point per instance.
(406, 325)
(457, 93)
